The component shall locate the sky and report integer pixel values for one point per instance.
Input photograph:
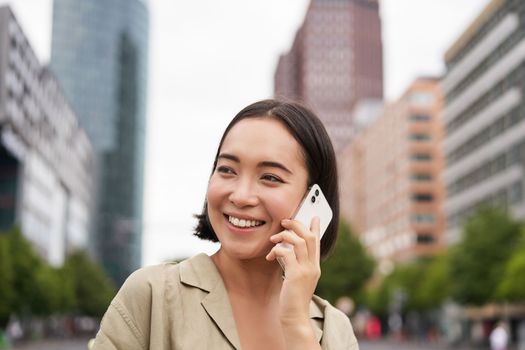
(208, 59)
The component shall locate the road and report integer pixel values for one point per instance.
(391, 345)
(70, 344)
(81, 344)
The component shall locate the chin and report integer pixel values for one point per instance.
(241, 252)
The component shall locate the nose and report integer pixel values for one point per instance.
(244, 194)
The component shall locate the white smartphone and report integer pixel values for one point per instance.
(313, 204)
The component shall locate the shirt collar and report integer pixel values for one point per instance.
(201, 272)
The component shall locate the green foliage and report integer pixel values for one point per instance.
(477, 263)
(25, 264)
(378, 299)
(434, 286)
(93, 289)
(486, 265)
(416, 286)
(408, 279)
(347, 270)
(6, 277)
(68, 298)
(512, 285)
(29, 286)
(48, 292)
(400, 287)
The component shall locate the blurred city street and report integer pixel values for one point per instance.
(410, 117)
(389, 345)
(81, 344)
(69, 344)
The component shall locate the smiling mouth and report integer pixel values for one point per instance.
(243, 223)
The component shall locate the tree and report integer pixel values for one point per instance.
(421, 285)
(6, 281)
(378, 298)
(347, 270)
(408, 280)
(434, 286)
(48, 293)
(477, 263)
(25, 264)
(401, 287)
(512, 285)
(93, 289)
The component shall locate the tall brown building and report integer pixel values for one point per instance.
(391, 187)
(335, 60)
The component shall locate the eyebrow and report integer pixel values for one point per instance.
(263, 164)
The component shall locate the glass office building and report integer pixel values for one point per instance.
(99, 55)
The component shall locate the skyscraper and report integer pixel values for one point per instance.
(46, 159)
(484, 115)
(99, 55)
(335, 61)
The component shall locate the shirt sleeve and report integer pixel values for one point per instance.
(338, 331)
(126, 324)
(118, 331)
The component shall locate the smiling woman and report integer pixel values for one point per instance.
(268, 157)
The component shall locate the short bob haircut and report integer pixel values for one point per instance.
(317, 150)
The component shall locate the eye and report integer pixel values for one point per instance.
(225, 170)
(271, 178)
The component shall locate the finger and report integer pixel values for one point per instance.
(315, 227)
(298, 243)
(310, 237)
(287, 255)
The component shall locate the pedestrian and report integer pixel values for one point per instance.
(268, 157)
(521, 335)
(499, 337)
(373, 328)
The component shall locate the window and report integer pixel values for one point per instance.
(516, 192)
(421, 98)
(425, 238)
(421, 177)
(420, 137)
(420, 118)
(423, 198)
(421, 157)
(423, 218)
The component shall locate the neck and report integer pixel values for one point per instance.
(256, 278)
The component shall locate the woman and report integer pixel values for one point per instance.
(269, 155)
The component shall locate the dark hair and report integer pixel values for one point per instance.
(318, 153)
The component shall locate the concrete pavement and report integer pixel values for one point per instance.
(396, 345)
(64, 344)
(81, 344)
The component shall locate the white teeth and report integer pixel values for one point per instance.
(243, 222)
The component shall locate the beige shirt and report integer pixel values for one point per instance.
(186, 306)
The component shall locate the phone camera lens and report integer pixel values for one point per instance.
(313, 199)
(316, 193)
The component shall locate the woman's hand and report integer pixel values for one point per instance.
(302, 272)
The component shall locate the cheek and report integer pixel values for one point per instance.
(215, 191)
(283, 206)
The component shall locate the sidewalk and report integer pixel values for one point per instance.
(385, 344)
(62, 344)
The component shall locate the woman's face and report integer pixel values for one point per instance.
(260, 179)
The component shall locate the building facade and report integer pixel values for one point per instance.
(390, 175)
(484, 115)
(335, 61)
(99, 55)
(46, 159)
